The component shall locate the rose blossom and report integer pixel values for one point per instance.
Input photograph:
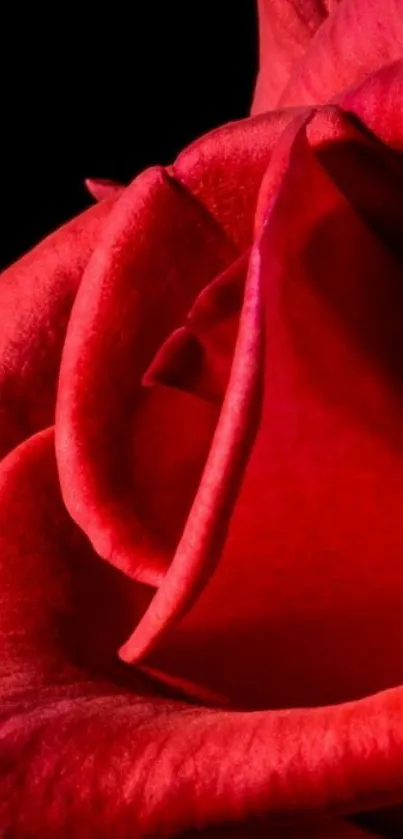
(201, 476)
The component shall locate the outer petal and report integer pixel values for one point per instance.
(322, 829)
(101, 188)
(286, 28)
(378, 102)
(159, 250)
(358, 38)
(224, 169)
(89, 749)
(62, 610)
(36, 296)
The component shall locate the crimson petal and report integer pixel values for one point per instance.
(378, 102)
(310, 575)
(101, 188)
(286, 28)
(198, 356)
(132, 296)
(36, 297)
(87, 755)
(224, 169)
(359, 37)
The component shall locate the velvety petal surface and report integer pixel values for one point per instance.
(88, 747)
(224, 170)
(378, 102)
(304, 607)
(197, 357)
(358, 38)
(228, 438)
(112, 433)
(286, 28)
(36, 297)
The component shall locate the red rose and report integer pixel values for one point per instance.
(201, 479)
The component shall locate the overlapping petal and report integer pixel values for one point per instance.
(311, 51)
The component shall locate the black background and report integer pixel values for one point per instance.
(107, 98)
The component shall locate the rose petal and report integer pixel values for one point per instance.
(224, 169)
(197, 357)
(88, 751)
(198, 552)
(286, 28)
(310, 576)
(326, 829)
(369, 174)
(199, 549)
(320, 829)
(36, 296)
(49, 576)
(132, 296)
(101, 188)
(358, 38)
(171, 433)
(378, 101)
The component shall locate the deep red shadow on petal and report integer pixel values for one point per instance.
(198, 356)
(199, 549)
(367, 172)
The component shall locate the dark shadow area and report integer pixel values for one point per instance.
(110, 96)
